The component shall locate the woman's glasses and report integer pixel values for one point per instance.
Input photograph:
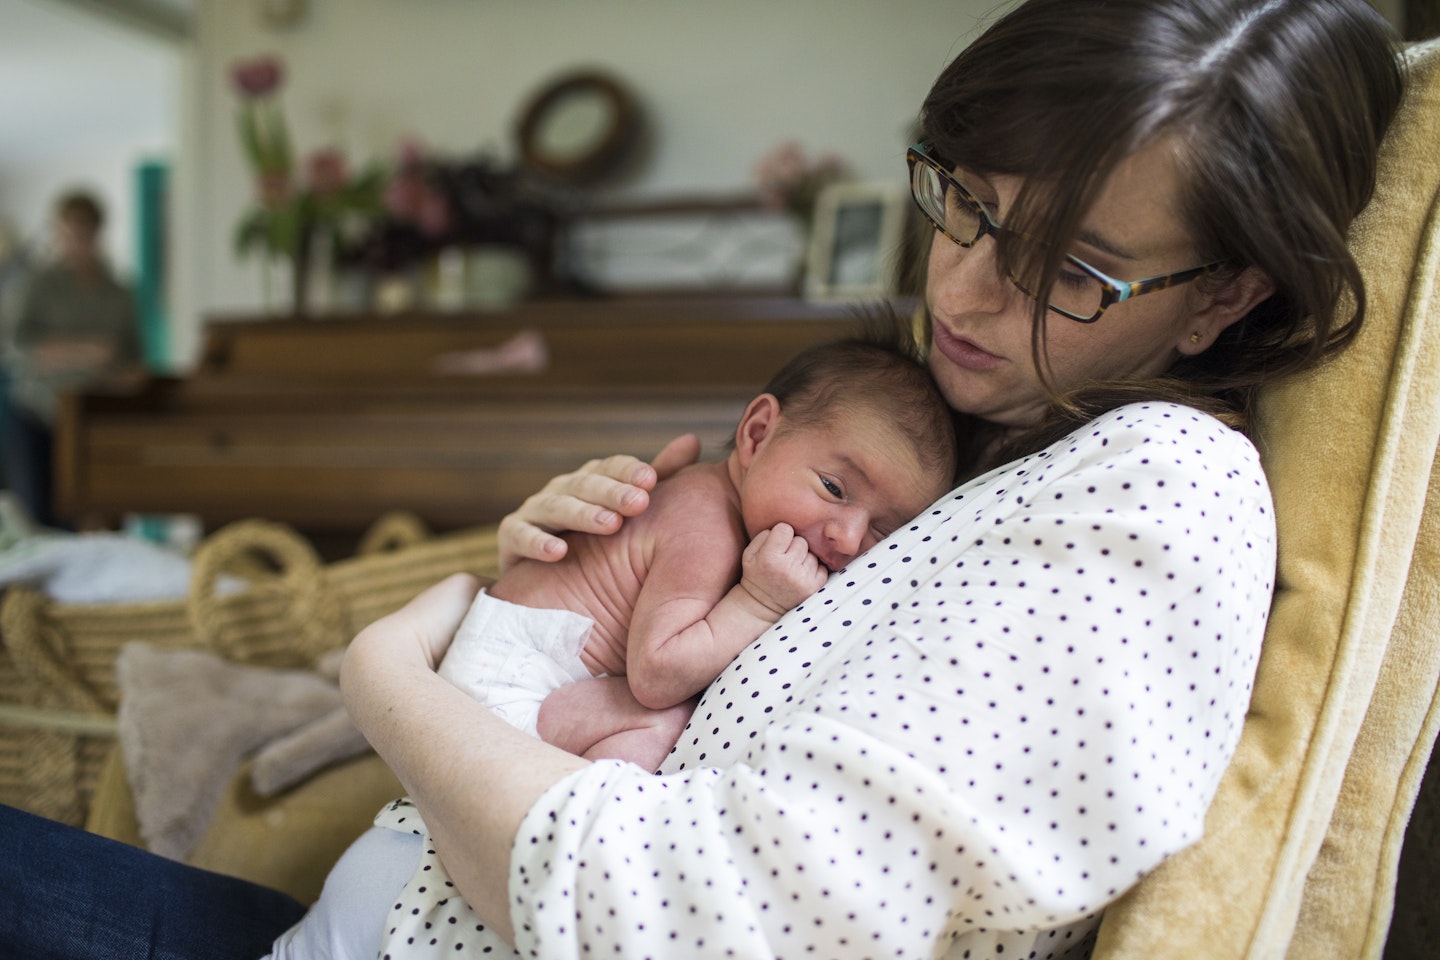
(1079, 292)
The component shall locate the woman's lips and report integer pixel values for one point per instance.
(962, 352)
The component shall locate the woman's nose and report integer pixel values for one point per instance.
(969, 279)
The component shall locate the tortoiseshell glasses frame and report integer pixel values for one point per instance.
(1082, 296)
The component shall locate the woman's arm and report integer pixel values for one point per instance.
(593, 499)
(420, 724)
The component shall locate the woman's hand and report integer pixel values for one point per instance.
(594, 499)
(424, 627)
(473, 776)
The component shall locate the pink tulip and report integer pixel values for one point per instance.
(326, 172)
(258, 76)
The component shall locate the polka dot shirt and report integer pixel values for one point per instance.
(965, 745)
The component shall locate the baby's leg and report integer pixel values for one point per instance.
(601, 719)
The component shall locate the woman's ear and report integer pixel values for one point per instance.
(757, 425)
(1225, 306)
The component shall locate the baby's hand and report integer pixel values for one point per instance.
(778, 569)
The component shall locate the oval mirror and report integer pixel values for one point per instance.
(578, 128)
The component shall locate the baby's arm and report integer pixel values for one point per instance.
(677, 646)
(605, 717)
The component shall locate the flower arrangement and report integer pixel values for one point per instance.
(431, 203)
(391, 220)
(291, 212)
(791, 180)
(414, 194)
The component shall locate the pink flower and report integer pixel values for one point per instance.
(410, 155)
(258, 76)
(433, 216)
(788, 179)
(326, 171)
(405, 192)
(273, 188)
(411, 196)
(778, 171)
(402, 196)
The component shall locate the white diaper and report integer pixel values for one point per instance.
(511, 658)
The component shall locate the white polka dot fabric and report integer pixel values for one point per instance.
(965, 745)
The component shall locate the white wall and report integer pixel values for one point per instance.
(721, 83)
(84, 101)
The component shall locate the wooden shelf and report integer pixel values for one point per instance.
(326, 424)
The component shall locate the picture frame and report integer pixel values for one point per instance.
(856, 235)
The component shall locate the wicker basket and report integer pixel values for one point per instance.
(58, 694)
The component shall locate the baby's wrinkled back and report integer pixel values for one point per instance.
(601, 576)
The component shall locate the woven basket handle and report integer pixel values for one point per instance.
(394, 531)
(311, 609)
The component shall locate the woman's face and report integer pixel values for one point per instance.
(981, 355)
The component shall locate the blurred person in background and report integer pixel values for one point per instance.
(72, 327)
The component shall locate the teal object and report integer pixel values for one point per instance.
(151, 191)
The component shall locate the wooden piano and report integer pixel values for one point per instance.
(328, 423)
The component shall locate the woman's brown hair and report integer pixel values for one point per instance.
(1278, 108)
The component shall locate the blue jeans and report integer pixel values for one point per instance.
(29, 451)
(66, 894)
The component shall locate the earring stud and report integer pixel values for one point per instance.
(1195, 337)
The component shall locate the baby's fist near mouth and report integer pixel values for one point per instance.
(779, 570)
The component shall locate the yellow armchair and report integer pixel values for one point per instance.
(1301, 844)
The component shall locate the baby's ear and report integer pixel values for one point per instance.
(757, 425)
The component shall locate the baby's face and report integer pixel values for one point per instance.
(844, 486)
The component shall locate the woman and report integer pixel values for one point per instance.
(989, 726)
